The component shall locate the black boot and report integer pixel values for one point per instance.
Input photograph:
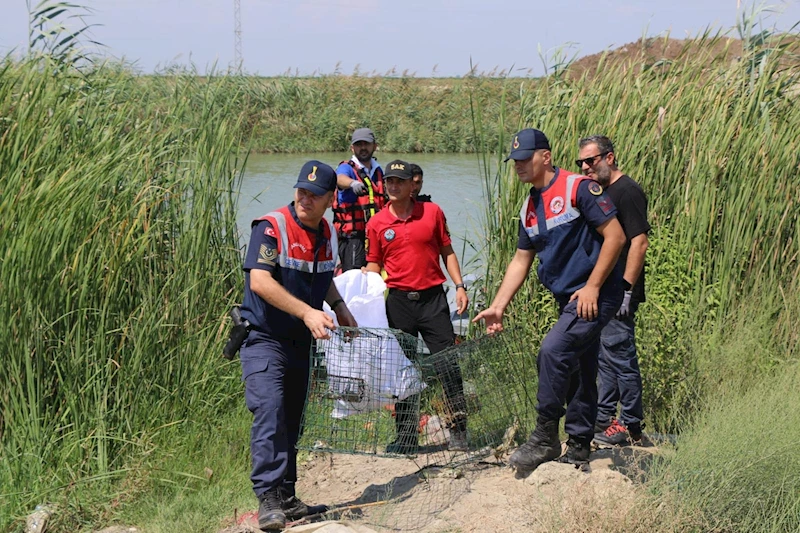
(270, 513)
(406, 421)
(292, 506)
(578, 450)
(542, 446)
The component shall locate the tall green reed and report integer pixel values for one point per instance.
(292, 114)
(119, 259)
(714, 146)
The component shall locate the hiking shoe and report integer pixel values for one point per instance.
(618, 435)
(458, 441)
(578, 450)
(292, 506)
(404, 445)
(603, 424)
(543, 445)
(270, 513)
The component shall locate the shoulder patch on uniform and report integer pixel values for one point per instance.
(266, 256)
(595, 188)
(604, 203)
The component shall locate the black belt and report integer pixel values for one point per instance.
(353, 235)
(419, 295)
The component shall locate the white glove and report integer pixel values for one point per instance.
(359, 188)
(625, 308)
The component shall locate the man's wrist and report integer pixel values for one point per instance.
(461, 286)
(336, 303)
(626, 285)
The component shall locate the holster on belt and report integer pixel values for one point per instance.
(238, 334)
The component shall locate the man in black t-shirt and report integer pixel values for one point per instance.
(618, 365)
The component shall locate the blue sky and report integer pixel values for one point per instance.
(421, 37)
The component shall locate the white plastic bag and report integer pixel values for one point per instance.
(370, 370)
(363, 294)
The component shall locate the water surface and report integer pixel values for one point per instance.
(452, 180)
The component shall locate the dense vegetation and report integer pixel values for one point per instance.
(118, 259)
(407, 114)
(715, 145)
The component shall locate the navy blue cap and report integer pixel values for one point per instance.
(526, 142)
(316, 177)
(398, 169)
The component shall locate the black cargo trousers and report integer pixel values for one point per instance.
(426, 312)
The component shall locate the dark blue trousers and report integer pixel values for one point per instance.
(275, 372)
(618, 372)
(567, 365)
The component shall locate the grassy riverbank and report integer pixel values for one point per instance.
(119, 261)
(293, 114)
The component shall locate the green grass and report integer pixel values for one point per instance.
(194, 474)
(189, 496)
(737, 464)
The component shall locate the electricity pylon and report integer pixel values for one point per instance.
(237, 35)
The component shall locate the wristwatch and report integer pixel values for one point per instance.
(461, 286)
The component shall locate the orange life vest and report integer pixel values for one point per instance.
(351, 217)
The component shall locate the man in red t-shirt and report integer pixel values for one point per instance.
(406, 239)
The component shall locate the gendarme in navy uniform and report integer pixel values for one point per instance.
(288, 273)
(569, 223)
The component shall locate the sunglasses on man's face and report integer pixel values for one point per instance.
(590, 161)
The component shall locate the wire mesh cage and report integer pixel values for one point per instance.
(362, 378)
(500, 378)
(358, 378)
(369, 386)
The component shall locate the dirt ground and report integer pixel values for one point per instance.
(658, 49)
(386, 494)
(663, 51)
